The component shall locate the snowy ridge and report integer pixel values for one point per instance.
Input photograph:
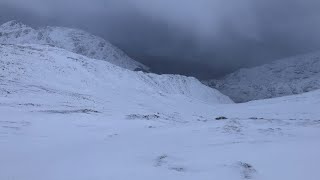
(283, 77)
(73, 40)
(52, 68)
(185, 86)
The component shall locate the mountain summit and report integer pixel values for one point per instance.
(74, 40)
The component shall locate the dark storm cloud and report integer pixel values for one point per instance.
(204, 38)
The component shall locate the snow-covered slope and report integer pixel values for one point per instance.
(74, 40)
(25, 67)
(64, 116)
(289, 76)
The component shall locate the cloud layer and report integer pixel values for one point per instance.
(204, 38)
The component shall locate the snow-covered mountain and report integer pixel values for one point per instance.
(66, 116)
(26, 69)
(283, 77)
(74, 40)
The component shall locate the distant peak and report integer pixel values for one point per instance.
(13, 25)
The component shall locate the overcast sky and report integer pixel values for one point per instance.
(203, 38)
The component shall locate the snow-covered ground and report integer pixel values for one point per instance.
(283, 77)
(182, 143)
(75, 40)
(64, 116)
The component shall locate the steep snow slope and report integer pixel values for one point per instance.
(289, 76)
(74, 40)
(64, 116)
(51, 69)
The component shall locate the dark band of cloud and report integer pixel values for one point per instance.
(203, 38)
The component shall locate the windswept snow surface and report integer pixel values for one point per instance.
(284, 77)
(67, 117)
(52, 69)
(77, 41)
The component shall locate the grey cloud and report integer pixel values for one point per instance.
(203, 38)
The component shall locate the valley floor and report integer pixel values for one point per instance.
(274, 139)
